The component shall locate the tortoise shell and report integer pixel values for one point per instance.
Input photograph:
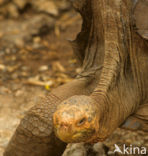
(140, 14)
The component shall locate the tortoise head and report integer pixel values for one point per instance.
(76, 120)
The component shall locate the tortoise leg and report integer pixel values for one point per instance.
(139, 121)
(34, 135)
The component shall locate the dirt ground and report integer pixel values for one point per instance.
(35, 60)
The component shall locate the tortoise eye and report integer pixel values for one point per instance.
(81, 122)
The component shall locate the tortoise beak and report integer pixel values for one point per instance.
(64, 132)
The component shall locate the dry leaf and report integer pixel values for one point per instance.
(58, 67)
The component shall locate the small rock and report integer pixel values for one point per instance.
(19, 93)
(43, 68)
(19, 42)
(78, 70)
(20, 3)
(75, 150)
(24, 68)
(81, 149)
(2, 67)
(8, 51)
(36, 39)
(100, 149)
(13, 10)
(111, 153)
(14, 76)
(4, 90)
(47, 6)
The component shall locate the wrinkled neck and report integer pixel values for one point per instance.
(117, 87)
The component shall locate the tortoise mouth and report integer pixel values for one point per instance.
(77, 136)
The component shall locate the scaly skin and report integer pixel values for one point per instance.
(34, 135)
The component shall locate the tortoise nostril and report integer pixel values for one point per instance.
(81, 122)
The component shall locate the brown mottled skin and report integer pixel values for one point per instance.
(111, 90)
